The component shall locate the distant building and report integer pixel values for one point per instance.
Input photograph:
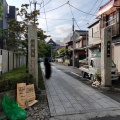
(80, 46)
(67, 39)
(7, 15)
(60, 42)
(53, 44)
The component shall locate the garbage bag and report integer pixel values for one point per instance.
(12, 110)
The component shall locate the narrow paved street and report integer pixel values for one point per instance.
(71, 99)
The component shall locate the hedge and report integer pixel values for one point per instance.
(8, 81)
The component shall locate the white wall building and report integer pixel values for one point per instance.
(94, 38)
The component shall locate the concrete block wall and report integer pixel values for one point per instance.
(18, 61)
(15, 60)
(4, 61)
(10, 60)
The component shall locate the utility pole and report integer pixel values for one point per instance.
(34, 10)
(73, 46)
(35, 3)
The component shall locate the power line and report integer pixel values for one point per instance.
(57, 29)
(96, 10)
(77, 24)
(83, 25)
(61, 33)
(73, 15)
(56, 19)
(45, 15)
(90, 10)
(55, 8)
(30, 5)
(59, 19)
(46, 4)
(71, 10)
(81, 10)
(65, 27)
(54, 30)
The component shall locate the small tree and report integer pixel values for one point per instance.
(62, 50)
(67, 52)
(17, 33)
(44, 50)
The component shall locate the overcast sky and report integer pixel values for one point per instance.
(59, 21)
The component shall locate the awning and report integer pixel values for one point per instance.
(79, 48)
(105, 8)
(116, 43)
(94, 44)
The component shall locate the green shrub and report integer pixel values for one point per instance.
(8, 81)
(97, 76)
(40, 79)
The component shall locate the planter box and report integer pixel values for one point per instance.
(11, 94)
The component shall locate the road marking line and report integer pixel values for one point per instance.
(76, 74)
(80, 76)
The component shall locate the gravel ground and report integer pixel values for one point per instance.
(38, 111)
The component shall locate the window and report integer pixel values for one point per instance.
(84, 43)
(91, 63)
(77, 45)
(111, 19)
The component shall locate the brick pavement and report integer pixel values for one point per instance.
(67, 96)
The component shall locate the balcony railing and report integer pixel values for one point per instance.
(114, 25)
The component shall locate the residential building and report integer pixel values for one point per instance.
(7, 15)
(94, 38)
(80, 43)
(109, 15)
